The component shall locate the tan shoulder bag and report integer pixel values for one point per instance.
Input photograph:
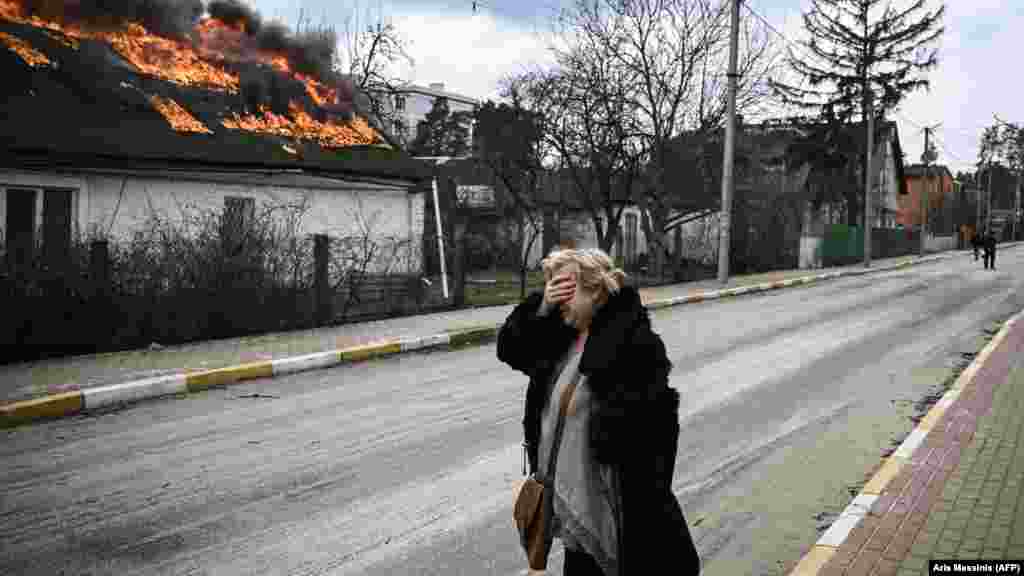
(533, 510)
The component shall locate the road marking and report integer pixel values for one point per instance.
(134, 391)
(56, 405)
(889, 470)
(369, 351)
(912, 441)
(307, 362)
(223, 376)
(814, 561)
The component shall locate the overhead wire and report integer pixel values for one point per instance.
(792, 44)
(960, 161)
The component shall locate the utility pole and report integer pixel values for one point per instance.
(1017, 204)
(729, 152)
(988, 207)
(928, 156)
(868, 191)
(976, 184)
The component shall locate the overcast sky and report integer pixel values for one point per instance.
(979, 74)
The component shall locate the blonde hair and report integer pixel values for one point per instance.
(597, 271)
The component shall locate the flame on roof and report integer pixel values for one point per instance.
(301, 126)
(203, 64)
(27, 53)
(179, 118)
(154, 55)
(62, 39)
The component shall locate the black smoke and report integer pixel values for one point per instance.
(310, 51)
(233, 13)
(170, 18)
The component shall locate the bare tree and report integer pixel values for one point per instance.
(590, 124)
(371, 49)
(670, 57)
(511, 144)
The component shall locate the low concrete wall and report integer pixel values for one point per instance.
(939, 243)
(810, 251)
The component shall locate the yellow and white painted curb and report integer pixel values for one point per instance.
(766, 286)
(70, 403)
(833, 538)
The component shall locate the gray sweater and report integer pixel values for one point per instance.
(585, 494)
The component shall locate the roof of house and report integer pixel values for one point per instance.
(920, 170)
(73, 101)
(777, 136)
(436, 93)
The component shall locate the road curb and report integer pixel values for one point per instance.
(84, 400)
(833, 538)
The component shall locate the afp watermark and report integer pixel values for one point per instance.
(975, 566)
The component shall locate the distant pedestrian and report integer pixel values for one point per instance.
(601, 422)
(990, 251)
(976, 243)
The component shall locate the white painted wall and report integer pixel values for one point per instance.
(934, 243)
(580, 228)
(346, 208)
(700, 239)
(810, 251)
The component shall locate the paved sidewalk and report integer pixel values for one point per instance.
(956, 495)
(39, 379)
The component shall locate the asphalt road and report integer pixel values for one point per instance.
(407, 465)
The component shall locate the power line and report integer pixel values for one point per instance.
(901, 115)
(790, 43)
(955, 157)
(769, 25)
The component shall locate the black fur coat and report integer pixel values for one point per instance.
(635, 423)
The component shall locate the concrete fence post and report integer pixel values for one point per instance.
(321, 284)
(99, 267)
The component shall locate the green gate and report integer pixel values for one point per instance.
(842, 245)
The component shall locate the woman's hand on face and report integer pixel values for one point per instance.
(560, 289)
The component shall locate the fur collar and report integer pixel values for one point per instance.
(612, 330)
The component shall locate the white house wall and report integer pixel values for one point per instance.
(99, 205)
(580, 228)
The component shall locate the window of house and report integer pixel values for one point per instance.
(20, 229)
(399, 102)
(56, 224)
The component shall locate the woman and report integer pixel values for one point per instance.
(614, 509)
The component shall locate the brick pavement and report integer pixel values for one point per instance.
(957, 498)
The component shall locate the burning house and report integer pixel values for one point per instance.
(112, 114)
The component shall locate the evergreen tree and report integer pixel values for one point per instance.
(866, 55)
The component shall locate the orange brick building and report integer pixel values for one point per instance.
(940, 194)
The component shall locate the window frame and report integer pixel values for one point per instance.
(39, 250)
